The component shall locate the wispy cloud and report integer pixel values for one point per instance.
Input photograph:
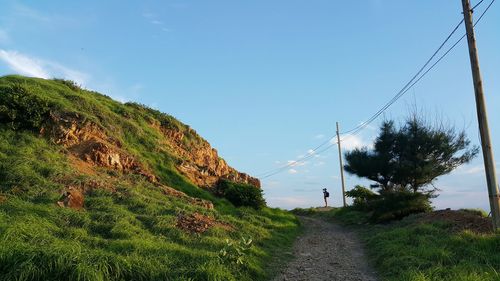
(319, 136)
(36, 67)
(23, 64)
(292, 171)
(294, 163)
(30, 13)
(154, 20)
(468, 170)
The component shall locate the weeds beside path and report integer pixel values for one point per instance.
(326, 251)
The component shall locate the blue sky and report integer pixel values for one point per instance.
(265, 81)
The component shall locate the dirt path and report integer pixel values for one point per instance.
(326, 251)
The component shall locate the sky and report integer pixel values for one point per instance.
(265, 81)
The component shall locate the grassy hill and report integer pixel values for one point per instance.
(148, 182)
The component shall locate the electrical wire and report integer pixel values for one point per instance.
(401, 93)
(410, 84)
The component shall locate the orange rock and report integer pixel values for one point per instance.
(72, 198)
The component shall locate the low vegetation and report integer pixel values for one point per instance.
(129, 228)
(437, 246)
(241, 194)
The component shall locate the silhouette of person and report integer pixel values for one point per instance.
(326, 194)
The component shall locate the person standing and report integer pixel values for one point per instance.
(326, 194)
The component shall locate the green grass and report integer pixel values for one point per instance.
(412, 251)
(432, 252)
(125, 234)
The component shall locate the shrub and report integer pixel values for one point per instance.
(397, 205)
(69, 83)
(241, 194)
(361, 195)
(21, 108)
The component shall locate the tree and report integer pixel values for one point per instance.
(410, 157)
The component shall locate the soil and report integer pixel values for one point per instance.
(458, 221)
(327, 251)
(199, 223)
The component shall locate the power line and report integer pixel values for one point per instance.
(294, 163)
(404, 91)
(412, 82)
(310, 152)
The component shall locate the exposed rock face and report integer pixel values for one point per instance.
(88, 142)
(72, 198)
(200, 162)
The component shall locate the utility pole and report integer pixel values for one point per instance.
(489, 162)
(341, 166)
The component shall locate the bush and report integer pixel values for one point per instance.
(361, 195)
(389, 205)
(397, 205)
(241, 194)
(21, 108)
(69, 83)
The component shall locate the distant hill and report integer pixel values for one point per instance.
(94, 189)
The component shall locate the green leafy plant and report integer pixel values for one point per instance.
(241, 194)
(397, 205)
(235, 252)
(361, 196)
(20, 107)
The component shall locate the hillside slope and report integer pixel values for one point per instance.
(93, 189)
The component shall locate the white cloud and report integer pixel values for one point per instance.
(475, 170)
(294, 163)
(468, 170)
(319, 136)
(31, 66)
(351, 142)
(292, 171)
(310, 151)
(29, 13)
(23, 64)
(153, 19)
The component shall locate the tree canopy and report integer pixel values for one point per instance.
(410, 157)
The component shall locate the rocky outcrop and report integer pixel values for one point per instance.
(87, 141)
(199, 161)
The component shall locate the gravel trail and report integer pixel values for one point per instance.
(326, 251)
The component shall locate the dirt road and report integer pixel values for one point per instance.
(326, 251)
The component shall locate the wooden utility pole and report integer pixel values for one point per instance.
(341, 165)
(489, 162)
